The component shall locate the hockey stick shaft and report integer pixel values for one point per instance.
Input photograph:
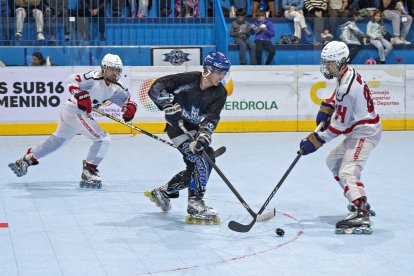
(219, 172)
(133, 127)
(235, 226)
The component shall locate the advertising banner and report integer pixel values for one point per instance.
(176, 56)
(35, 94)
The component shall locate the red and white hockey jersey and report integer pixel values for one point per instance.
(354, 115)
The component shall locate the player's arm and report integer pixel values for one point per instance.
(123, 100)
(78, 86)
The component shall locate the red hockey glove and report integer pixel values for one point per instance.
(84, 101)
(128, 111)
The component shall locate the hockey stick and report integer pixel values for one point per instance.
(235, 226)
(217, 152)
(261, 217)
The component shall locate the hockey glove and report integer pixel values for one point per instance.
(172, 114)
(311, 143)
(201, 142)
(84, 101)
(324, 115)
(128, 111)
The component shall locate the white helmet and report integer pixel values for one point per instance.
(334, 52)
(114, 63)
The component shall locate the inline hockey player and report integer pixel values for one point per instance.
(197, 99)
(75, 117)
(352, 113)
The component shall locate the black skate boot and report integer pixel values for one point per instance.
(20, 166)
(353, 208)
(356, 222)
(161, 198)
(199, 212)
(90, 177)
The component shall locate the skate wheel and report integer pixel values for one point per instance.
(87, 185)
(198, 221)
(99, 186)
(348, 231)
(367, 231)
(147, 194)
(357, 231)
(81, 184)
(372, 213)
(188, 220)
(216, 220)
(208, 221)
(339, 231)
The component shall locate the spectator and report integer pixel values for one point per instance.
(240, 31)
(96, 10)
(143, 8)
(270, 5)
(376, 31)
(410, 7)
(264, 31)
(393, 10)
(336, 8)
(38, 59)
(236, 5)
(36, 7)
(58, 8)
(165, 8)
(186, 8)
(294, 11)
(5, 12)
(317, 9)
(352, 35)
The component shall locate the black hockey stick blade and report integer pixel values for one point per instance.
(219, 152)
(242, 228)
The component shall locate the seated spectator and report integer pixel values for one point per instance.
(96, 10)
(165, 8)
(352, 35)
(58, 8)
(317, 9)
(36, 7)
(394, 11)
(376, 31)
(336, 8)
(240, 31)
(270, 5)
(293, 11)
(186, 8)
(143, 8)
(38, 59)
(264, 31)
(236, 5)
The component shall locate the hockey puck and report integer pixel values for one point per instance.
(280, 232)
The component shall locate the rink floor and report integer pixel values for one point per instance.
(49, 226)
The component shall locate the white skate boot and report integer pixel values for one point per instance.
(90, 177)
(20, 166)
(199, 213)
(160, 198)
(357, 222)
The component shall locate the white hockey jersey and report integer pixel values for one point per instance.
(354, 115)
(99, 90)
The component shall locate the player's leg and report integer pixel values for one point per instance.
(354, 160)
(62, 134)
(86, 125)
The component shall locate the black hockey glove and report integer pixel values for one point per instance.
(172, 114)
(202, 141)
(311, 143)
(324, 115)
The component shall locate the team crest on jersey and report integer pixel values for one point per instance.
(193, 116)
(176, 57)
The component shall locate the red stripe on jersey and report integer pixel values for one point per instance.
(87, 126)
(73, 88)
(348, 130)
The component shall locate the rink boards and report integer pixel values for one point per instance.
(260, 98)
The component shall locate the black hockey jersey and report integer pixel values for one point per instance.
(199, 107)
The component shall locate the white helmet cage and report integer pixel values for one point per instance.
(337, 52)
(113, 62)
